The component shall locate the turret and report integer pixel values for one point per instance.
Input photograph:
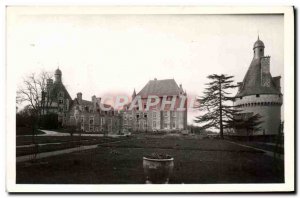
(258, 49)
(58, 75)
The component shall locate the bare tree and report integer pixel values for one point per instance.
(34, 91)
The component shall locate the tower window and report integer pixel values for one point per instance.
(257, 95)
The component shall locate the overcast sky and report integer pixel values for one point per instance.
(113, 54)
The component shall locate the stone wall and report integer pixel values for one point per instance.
(268, 106)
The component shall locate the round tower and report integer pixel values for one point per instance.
(260, 93)
(57, 75)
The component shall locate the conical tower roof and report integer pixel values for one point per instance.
(252, 83)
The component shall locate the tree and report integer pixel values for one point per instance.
(25, 117)
(245, 121)
(34, 92)
(214, 103)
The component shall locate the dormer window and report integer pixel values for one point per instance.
(257, 95)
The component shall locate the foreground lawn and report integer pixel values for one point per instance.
(196, 161)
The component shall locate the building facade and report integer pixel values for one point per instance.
(88, 116)
(260, 93)
(168, 114)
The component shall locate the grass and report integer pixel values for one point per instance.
(60, 143)
(196, 161)
(27, 140)
(26, 131)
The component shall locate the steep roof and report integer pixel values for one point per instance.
(160, 88)
(252, 85)
(57, 87)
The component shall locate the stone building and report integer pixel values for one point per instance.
(159, 117)
(89, 116)
(260, 93)
(56, 98)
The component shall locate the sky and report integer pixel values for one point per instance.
(107, 55)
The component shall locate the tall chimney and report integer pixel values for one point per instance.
(265, 71)
(79, 97)
(49, 83)
(94, 101)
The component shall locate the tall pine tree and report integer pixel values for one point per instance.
(215, 103)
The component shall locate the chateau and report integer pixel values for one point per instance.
(81, 114)
(260, 93)
(169, 113)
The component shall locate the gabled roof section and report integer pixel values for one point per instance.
(252, 84)
(160, 88)
(56, 87)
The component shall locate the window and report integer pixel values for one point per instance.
(257, 95)
(173, 125)
(165, 113)
(137, 116)
(165, 125)
(91, 120)
(144, 106)
(154, 114)
(154, 124)
(241, 97)
(145, 115)
(60, 101)
(173, 114)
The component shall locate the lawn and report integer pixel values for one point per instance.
(26, 131)
(53, 143)
(196, 161)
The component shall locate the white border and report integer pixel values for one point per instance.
(288, 101)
